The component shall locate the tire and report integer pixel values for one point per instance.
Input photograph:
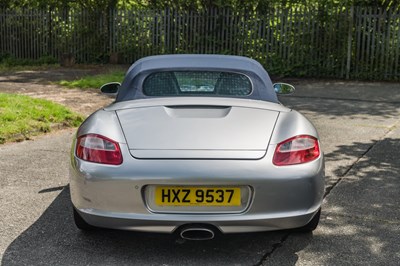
(82, 224)
(312, 225)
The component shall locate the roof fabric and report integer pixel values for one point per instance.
(262, 85)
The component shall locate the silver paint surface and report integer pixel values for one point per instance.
(197, 141)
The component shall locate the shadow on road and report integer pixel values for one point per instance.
(360, 217)
(54, 240)
(364, 208)
(372, 185)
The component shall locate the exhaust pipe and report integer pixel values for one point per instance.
(197, 233)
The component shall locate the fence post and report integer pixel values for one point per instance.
(49, 33)
(349, 42)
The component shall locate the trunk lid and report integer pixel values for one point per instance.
(197, 131)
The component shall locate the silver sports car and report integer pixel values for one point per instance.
(196, 145)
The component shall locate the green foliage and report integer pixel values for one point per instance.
(289, 37)
(23, 116)
(90, 82)
(102, 4)
(260, 5)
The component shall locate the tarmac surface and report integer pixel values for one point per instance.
(358, 123)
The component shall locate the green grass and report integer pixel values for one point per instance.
(22, 117)
(94, 81)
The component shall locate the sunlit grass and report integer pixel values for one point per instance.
(94, 81)
(23, 116)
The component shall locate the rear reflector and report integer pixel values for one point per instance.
(296, 150)
(98, 149)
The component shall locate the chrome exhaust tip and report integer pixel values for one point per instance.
(197, 233)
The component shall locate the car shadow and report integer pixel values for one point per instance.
(53, 240)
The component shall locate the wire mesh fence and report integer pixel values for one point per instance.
(352, 42)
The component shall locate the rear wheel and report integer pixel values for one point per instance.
(312, 225)
(80, 223)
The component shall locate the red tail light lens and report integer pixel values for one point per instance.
(296, 150)
(98, 149)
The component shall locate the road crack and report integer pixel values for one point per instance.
(274, 247)
(331, 187)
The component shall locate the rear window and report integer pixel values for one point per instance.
(184, 83)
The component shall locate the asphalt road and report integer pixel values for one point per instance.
(360, 224)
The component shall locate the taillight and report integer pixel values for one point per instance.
(98, 149)
(296, 150)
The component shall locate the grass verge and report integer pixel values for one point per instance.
(95, 81)
(22, 117)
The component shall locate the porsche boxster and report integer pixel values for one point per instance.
(196, 145)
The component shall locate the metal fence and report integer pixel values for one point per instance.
(355, 42)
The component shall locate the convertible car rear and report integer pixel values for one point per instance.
(196, 144)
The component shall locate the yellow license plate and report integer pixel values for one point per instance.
(197, 196)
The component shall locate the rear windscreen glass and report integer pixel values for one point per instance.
(186, 83)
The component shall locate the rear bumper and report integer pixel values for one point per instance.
(160, 224)
(113, 196)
